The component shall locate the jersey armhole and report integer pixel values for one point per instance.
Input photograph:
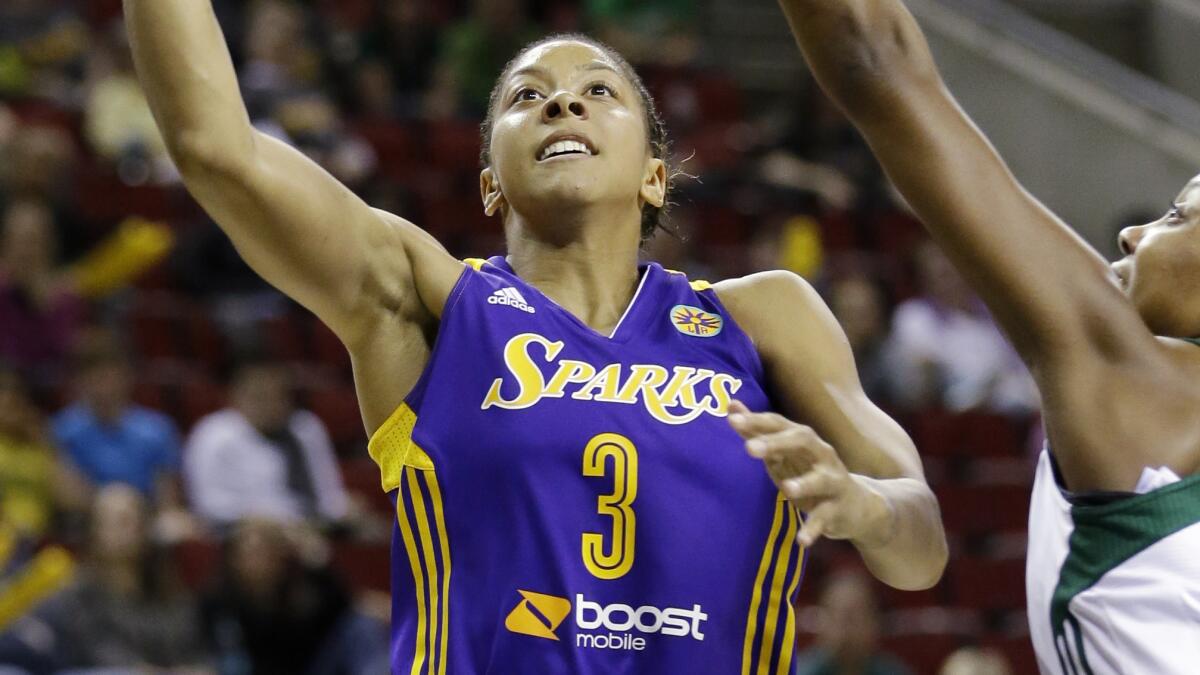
(745, 343)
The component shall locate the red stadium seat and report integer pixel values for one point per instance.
(365, 566)
(398, 148)
(285, 336)
(205, 341)
(337, 406)
(984, 509)
(719, 98)
(923, 653)
(452, 144)
(716, 145)
(197, 561)
(327, 348)
(892, 598)
(361, 476)
(988, 584)
(969, 434)
(1018, 650)
(199, 396)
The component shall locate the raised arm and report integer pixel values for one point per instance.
(296, 225)
(1051, 292)
(843, 461)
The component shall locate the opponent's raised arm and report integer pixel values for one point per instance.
(1050, 291)
(295, 224)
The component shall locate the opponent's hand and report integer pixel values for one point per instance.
(808, 471)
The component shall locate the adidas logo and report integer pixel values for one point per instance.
(511, 297)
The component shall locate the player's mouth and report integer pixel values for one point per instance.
(1122, 270)
(565, 145)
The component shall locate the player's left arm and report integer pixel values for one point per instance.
(843, 461)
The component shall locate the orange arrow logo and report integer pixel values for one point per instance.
(538, 615)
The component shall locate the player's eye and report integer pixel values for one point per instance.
(1175, 214)
(600, 89)
(526, 94)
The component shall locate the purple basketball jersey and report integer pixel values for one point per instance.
(571, 502)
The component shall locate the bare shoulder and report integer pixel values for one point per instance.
(411, 277)
(405, 256)
(778, 309)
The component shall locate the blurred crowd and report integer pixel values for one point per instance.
(181, 466)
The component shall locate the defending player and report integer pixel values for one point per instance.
(552, 425)
(1113, 572)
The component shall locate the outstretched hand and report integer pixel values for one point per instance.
(807, 470)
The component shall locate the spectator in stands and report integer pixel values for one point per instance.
(39, 165)
(858, 304)
(124, 611)
(262, 456)
(107, 437)
(41, 46)
(8, 128)
(945, 350)
(117, 120)
(975, 661)
(39, 311)
(313, 125)
(281, 61)
(277, 611)
(396, 53)
(474, 51)
(848, 632)
(27, 461)
(647, 32)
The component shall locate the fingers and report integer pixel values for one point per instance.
(811, 487)
(795, 442)
(749, 424)
(812, 528)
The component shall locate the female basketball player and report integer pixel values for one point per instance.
(570, 496)
(1113, 576)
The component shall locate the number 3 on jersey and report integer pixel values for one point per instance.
(618, 505)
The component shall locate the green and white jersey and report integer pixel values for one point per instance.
(1114, 588)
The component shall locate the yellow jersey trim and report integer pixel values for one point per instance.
(431, 571)
(775, 598)
(392, 447)
(697, 285)
(760, 640)
(475, 263)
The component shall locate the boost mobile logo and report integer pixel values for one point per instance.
(540, 615)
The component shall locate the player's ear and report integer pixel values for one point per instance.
(654, 183)
(489, 190)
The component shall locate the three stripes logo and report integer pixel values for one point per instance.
(538, 615)
(511, 297)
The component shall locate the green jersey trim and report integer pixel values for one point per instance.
(1107, 535)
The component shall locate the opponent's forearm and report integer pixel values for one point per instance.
(903, 543)
(187, 74)
(857, 48)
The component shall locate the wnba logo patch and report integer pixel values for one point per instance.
(538, 615)
(696, 322)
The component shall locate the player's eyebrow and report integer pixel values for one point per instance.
(535, 70)
(599, 65)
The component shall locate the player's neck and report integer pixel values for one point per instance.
(594, 276)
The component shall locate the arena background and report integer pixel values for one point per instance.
(113, 282)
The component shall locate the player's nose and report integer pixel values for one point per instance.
(564, 104)
(1130, 237)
